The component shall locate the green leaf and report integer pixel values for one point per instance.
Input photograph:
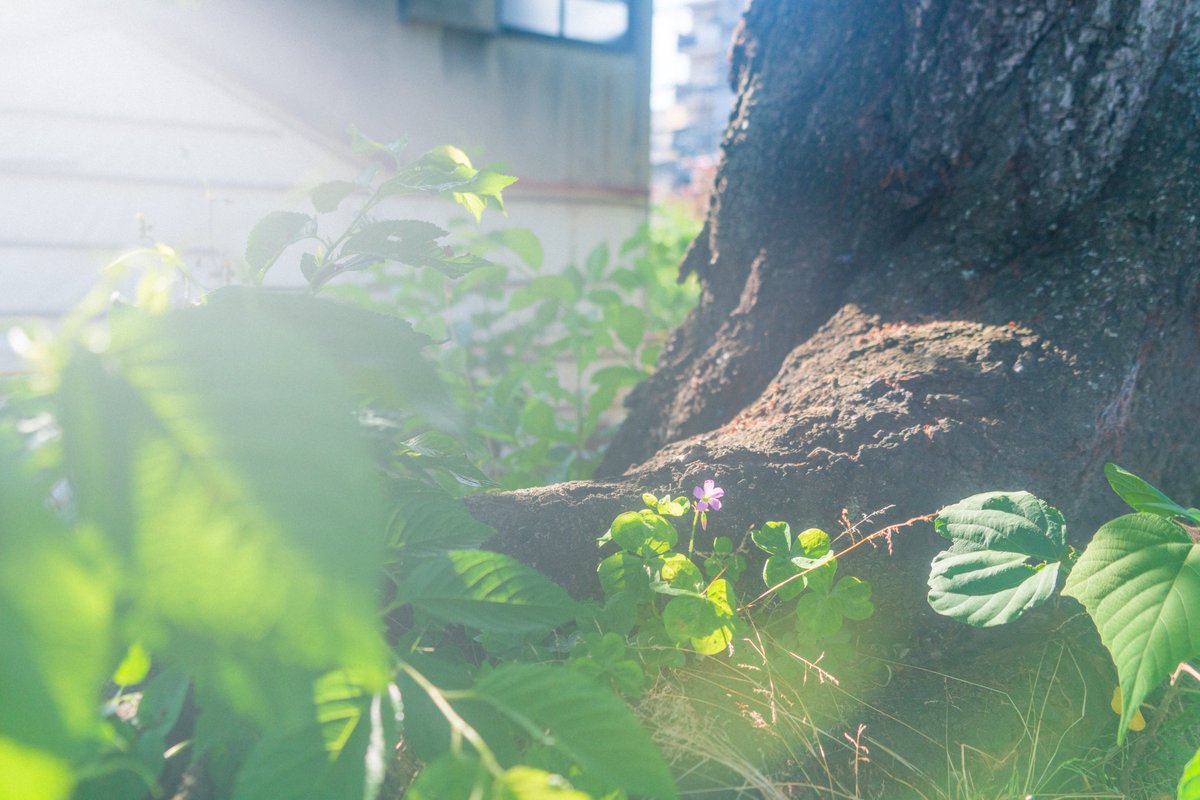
(629, 323)
(852, 598)
(225, 464)
(597, 261)
(326, 197)
(489, 591)
(133, 667)
(1139, 580)
(817, 617)
(586, 722)
(1006, 557)
(706, 623)
(1010, 522)
(984, 588)
(1189, 781)
(1141, 496)
(56, 603)
(643, 532)
(523, 242)
(624, 572)
(342, 751)
(528, 783)
(429, 520)
(377, 355)
(273, 234)
(452, 778)
(774, 538)
(544, 287)
(679, 571)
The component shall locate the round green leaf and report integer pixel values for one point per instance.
(635, 530)
(774, 538)
(1005, 557)
(1139, 579)
(984, 588)
(852, 598)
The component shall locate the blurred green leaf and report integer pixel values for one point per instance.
(586, 722)
(273, 234)
(225, 463)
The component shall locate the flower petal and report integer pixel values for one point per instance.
(714, 503)
(698, 493)
(708, 486)
(717, 492)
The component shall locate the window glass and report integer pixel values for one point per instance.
(534, 16)
(599, 21)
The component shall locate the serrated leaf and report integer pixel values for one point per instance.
(1006, 558)
(586, 722)
(428, 520)
(1139, 580)
(273, 234)
(1141, 496)
(1189, 781)
(225, 464)
(489, 591)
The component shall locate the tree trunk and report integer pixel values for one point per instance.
(952, 248)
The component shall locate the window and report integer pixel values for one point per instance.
(602, 22)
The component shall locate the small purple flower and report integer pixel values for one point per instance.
(709, 497)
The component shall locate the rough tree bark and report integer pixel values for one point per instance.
(952, 248)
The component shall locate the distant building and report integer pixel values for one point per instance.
(184, 121)
(688, 139)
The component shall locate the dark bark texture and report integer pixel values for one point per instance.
(952, 248)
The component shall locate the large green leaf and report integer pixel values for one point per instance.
(1189, 781)
(1141, 496)
(222, 457)
(341, 752)
(376, 355)
(489, 591)
(586, 722)
(430, 520)
(1139, 579)
(1006, 557)
(273, 234)
(56, 606)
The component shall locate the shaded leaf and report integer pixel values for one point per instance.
(586, 722)
(489, 591)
